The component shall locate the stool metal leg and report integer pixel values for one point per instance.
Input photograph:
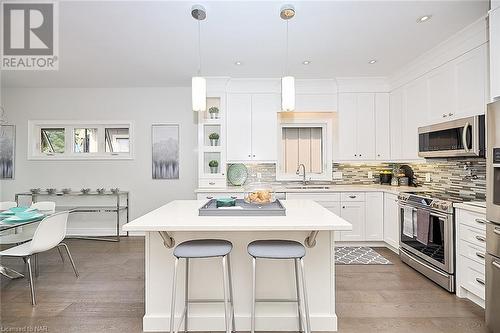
(252, 317)
(226, 303)
(304, 290)
(297, 286)
(186, 297)
(172, 305)
(231, 300)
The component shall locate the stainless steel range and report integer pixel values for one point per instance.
(427, 233)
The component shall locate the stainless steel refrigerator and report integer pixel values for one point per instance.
(493, 216)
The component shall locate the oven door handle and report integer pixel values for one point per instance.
(441, 218)
(464, 137)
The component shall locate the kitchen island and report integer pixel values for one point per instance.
(305, 221)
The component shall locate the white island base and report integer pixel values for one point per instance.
(275, 278)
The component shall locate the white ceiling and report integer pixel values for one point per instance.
(154, 43)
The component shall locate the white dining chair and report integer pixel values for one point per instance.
(49, 234)
(25, 233)
(5, 205)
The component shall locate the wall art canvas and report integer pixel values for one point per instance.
(7, 150)
(165, 141)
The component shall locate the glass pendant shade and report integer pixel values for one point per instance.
(287, 93)
(199, 93)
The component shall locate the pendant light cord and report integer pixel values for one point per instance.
(199, 47)
(286, 61)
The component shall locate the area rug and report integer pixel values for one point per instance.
(359, 256)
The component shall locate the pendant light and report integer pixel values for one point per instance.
(198, 83)
(287, 82)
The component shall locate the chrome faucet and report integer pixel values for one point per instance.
(304, 182)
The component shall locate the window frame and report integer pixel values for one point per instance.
(327, 149)
(69, 126)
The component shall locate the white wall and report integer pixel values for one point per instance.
(143, 106)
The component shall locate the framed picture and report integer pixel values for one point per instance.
(165, 145)
(7, 151)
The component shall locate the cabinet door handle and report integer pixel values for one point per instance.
(352, 196)
(444, 115)
(450, 114)
(249, 155)
(211, 183)
(480, 255)
(343, 207)
(481, 239)
(253, 155)
(480, 221)
(234, 197)
(496, 264)
(480, 281)
(210, 198)
(496, 231)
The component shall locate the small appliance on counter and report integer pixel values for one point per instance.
(385, 177)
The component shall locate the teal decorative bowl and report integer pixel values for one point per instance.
(25, 215)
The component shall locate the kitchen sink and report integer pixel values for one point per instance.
(308, 187)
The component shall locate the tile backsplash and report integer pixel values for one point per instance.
(459, 178)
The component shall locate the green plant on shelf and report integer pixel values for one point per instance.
(213, 164)
(213, 109)
(213, 136)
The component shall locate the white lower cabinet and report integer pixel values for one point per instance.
(391, 222)
(354, 213)
(216, 195)
(374, 216)
(471, 249)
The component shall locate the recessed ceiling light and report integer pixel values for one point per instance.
(373, 61)
(424, 18)
(237, 63)
(306, 62)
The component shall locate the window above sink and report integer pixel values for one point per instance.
(305, 139)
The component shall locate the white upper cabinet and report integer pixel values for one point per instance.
(414, 116)
(239, 129)
(442, 101)
(252, 127)
(265, 108)
(357, 126)
(397, 109)
(495, 51)
(382, 127)
(471, 82)
(315, 102)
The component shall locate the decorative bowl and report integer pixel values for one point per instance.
(51, 190)
(35, 190)
(25, 215)
(66, 190)
(85, 190)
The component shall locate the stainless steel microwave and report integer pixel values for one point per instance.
(456, 138)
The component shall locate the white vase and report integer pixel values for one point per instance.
(214, 142)
(214, 169)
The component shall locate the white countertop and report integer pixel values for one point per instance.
(331, 188)
(182, 215)
(472, 206)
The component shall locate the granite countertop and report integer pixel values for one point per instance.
(472, 206)
(328, 188)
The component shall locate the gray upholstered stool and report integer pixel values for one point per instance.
(281, 249)
(198, 249)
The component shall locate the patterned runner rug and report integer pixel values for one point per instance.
(359, 256)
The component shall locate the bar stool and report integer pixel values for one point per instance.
(199, 249)
(283, 250)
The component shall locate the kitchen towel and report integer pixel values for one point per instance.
(408, 227)
(423, 224)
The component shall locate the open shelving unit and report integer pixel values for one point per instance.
(208, 152)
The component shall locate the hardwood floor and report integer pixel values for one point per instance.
(109, 295)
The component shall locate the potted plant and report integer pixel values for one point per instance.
(214, 166)
(214, 139)
(214, 112)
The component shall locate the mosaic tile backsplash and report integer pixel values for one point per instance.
(460, 178)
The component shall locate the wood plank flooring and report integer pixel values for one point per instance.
(109, 295)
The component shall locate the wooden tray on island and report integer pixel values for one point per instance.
(243, 208)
